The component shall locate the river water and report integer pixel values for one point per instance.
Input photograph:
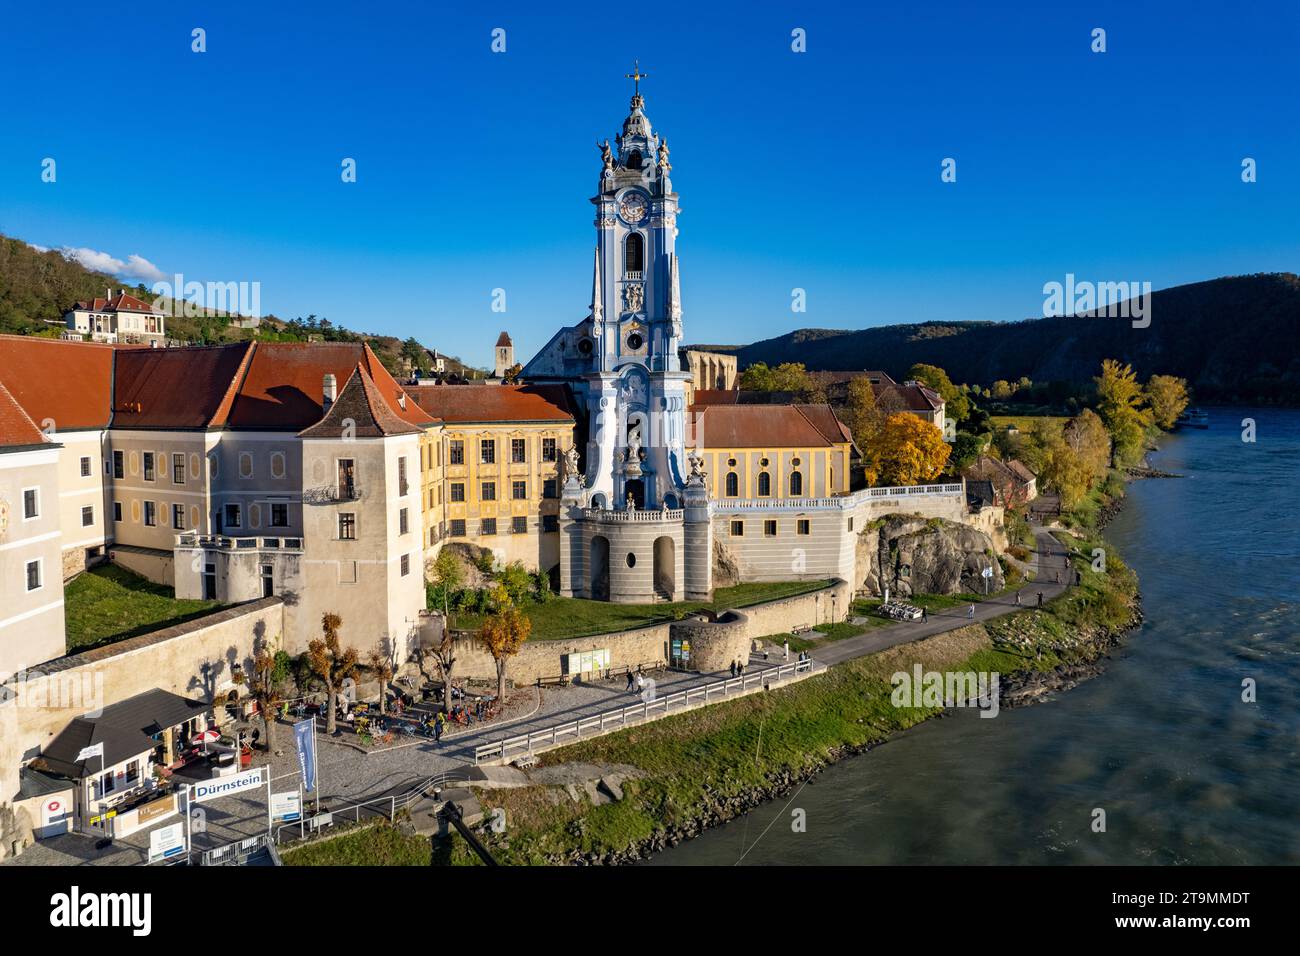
(1186, 772)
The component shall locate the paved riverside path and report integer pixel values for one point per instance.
(1051, 556)
(348, 776)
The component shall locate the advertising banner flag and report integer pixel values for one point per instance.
(304, 736)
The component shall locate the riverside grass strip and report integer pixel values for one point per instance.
(708, 765)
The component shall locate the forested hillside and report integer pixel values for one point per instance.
(1233, 339)
(37, 287)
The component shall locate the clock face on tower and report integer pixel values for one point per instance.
(632, 207)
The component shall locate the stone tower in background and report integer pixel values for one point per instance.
(505, 355)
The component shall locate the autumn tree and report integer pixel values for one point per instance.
(266, 686)
(503, 633)
(958, 405)
(1069, 460)
(382, 666)
(333, 665)
(1167, 397)
(1119, 402)
(786, 377)
(438, 660)
(1086, 434)
(447, 575)
(865, 421)
(909, 450)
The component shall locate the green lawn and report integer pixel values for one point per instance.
(110, 603)
(576, 617)
(378, 845)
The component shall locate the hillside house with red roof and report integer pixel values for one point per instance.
(117, 318)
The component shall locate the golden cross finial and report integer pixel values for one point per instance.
(636, 76)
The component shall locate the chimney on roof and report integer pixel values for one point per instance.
(330, 390)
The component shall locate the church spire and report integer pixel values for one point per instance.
(597, 296)
(637, 123)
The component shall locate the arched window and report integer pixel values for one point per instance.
(634, 159)
(733, 485)
(796, 484)
(635, 252)
(764, 484)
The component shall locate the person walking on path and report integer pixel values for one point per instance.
(1017, 599)
(733, 667)
(640, 682)
(1058, 577)
(787, 650)
(1040, 598)
(970, 613)
(925, 616)
(629, 679)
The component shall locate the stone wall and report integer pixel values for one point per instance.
(991, 519)
(544, 659)
(759, 545)
(155, 566)
(714, 645)
(193, 659)
(643, 645)
(802, 610)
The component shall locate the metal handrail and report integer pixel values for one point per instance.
(839, 502)
(623, 716)
(394, 802)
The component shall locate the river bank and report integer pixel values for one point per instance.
(1190, 769)
(700, 770)
(703, 769)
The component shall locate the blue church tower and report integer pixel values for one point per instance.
(634, 516)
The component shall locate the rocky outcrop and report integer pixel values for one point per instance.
(726, 570)
(908, 555)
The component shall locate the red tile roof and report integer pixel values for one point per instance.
(67, 383)
(263, 385)
(824, 419)
(761, 426)
(875, 376)
(360, 410)
(495, 403)
(177, 388)
(122, 302)
(912, 396)
(284, 385)
(17, 430)
(717, 396)
(1021, 470)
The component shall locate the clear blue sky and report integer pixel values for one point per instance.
(817, 170)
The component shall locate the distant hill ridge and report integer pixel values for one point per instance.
(37, 286)
(1234, 339)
